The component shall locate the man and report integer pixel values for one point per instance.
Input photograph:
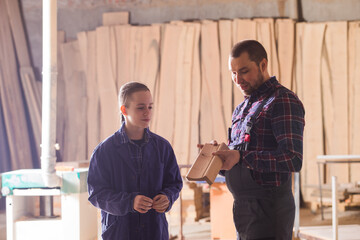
(266, 142)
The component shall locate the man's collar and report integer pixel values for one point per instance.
(267, 86)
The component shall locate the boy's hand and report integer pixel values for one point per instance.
(160, 203)
(142, 204)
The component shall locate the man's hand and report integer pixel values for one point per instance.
(213, 142)
(142, 204)
(160, 203)
(229, 157)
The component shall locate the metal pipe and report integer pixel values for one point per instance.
(49, 88)
(46, 206)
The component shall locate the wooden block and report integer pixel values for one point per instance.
(206, 166)
(115, 18)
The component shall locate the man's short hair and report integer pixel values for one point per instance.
(255, 50)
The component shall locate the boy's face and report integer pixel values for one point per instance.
(139, 110)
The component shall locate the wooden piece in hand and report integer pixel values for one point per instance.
(206, 166)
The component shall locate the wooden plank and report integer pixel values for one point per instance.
(242, 29)
(212, 123)
(312, 43)
(147, 55)
(30, 86)
(109, 117)
(266, 36)
(335, 91)
(33, 103)
(286, 50)
(5, 163)
(61, 113)
(225, 37)
(165, 115)
(183, 94)
(11, 98)
(195, 94)
(18, 33)
(75, 144)
(87, 43)
(298, 78)
(354, 95)
(123, 43)
(115, 18)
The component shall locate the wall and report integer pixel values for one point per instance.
(83, 15)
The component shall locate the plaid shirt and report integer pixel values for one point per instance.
(276, 144)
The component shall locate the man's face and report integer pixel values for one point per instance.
(245, 73)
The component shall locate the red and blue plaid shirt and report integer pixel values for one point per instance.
(276, 143)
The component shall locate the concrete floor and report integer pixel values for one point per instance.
(201, 230)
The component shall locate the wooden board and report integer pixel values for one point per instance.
(242, 29)
(105, 74)
(75, 144)
(312, 43)
(195, 94)
(87, 44)
(286, 51)
(181, 143)
(145, 55)
(354, 95)
(165, 115)
(212, 123)
(5, 163)
(11, 98)
(30, 86)
(115, 18)
(334, 77)
(123, 43)
(225, 37)
(266, 36)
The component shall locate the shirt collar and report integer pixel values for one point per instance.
(264, 88)
(123, 137)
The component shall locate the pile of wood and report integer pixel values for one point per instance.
(20, 104)
(185, 65)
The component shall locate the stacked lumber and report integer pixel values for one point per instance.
(185, 65)
(13, 107)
